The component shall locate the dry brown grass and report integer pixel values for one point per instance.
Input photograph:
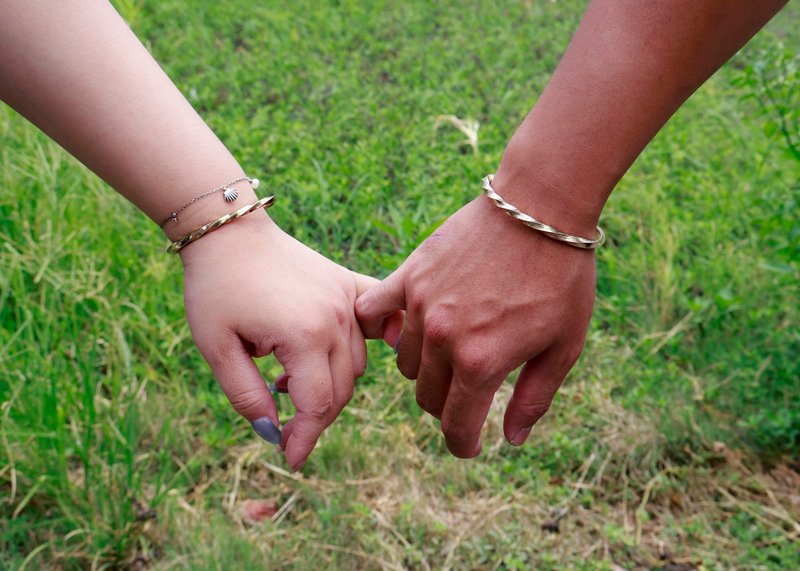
(626, 503)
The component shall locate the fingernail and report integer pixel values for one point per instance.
(521, 435)
(397, 343)
(275, 390)
(267, 430)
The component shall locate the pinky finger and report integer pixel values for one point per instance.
(536, 386)
(280, 384)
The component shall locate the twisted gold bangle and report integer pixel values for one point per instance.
(531, 222)
(178, 245)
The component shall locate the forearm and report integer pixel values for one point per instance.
(77, 71)
(628, 68)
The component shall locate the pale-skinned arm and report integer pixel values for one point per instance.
(77, 71)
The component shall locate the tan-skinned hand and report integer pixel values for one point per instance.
(484, 295)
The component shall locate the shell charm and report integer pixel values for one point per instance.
(230, 194)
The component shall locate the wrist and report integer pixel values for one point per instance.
(245, 234)
(560, 193)
(207, 209)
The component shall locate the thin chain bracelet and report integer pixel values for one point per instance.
(194, 235)
(531, 222)
(230, 194)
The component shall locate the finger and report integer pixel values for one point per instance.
(465, 410)
(536, 386)
(364, 283)
(408, 348)
(342, 376)
(392, 324)
(433, 382)
(378, 303)
(286, 434)
(392, 327)
(280, 384)
(311, 391)
(341, 369)
(246, 390)
(342, 390)
(358, 351)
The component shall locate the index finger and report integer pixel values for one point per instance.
(242, 383)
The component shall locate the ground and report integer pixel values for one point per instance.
(673, 444)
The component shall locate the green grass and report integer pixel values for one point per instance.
(674, 442)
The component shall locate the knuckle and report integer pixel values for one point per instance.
(219, 353)
(438, 325)
(342, 398)
(313, 332)
(341, 314)
(312, 398)
(474, 360)
(428, 406)
(456, 433)
(322, 401)
(320, 406)
(247, 402)
(309, 425)
(533, 411)
(415, 303)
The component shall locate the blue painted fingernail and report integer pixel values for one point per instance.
(275, 390)
(267, 430)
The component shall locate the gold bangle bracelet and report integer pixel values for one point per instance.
(531, 222)
(178, 245)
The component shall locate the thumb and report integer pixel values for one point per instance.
(379, 308)
(242, 383)
(364, 283)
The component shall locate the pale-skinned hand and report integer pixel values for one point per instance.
(252, 290)
(483, 295)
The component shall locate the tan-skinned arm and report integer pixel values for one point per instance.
(628, 68)
(76, 70)
(485, 294)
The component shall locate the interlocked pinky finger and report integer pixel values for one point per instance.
(409, 348)
(433, 382)
(358, 351)
(342, 377)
